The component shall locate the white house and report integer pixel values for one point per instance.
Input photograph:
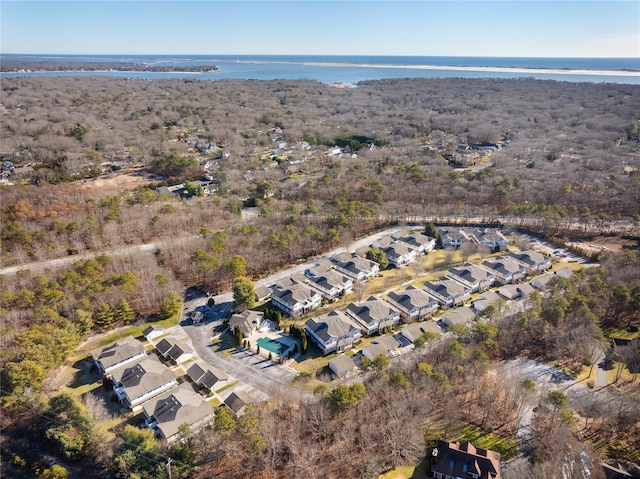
(356, 267)
(373, 314)
(118, 354)
(333, 332)
(473, 277)
(533, 261)
(400, 254)
(141, 381)
(413, 303)
(165, 413)
(331, 284)
(296, 300)
(507, 271)
(248, 322)
(422, 244)
(448, 292)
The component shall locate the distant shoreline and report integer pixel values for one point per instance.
(35, 66)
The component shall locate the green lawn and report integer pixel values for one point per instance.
(466, 432)
(402, 472)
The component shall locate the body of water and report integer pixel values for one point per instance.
(353, 69)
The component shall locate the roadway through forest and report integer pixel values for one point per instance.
(600, 228)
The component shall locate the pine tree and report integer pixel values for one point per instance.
(124, 312)
(104, 317)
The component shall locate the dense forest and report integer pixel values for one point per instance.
(88, 165)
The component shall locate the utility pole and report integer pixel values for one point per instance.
(169, 466)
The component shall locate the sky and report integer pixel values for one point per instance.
(507, 28)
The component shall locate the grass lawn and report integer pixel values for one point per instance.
(466, 432)
(402, 472)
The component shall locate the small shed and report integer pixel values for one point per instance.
(342, 365)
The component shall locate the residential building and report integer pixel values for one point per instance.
(400, 254)
(507, 271)
(118, 354)
(207, 377)
(333, 332)
(486, 299)
(413, 303)
(331, 284)
(166, 413)
(141, 381)
(413, 331)
(174, 351)
(356, 267)
(373, 315)
(451, 237)
(448, 292)
(452, 460)
(541, 283)
(153, 332)
(384, 345)
(490, 238)
(515, 291)
(342, 365)
(237, 402)
(248, 322)
(473, 277)
(296, 300)
(458, 316)
(422, 244)
(533, 261)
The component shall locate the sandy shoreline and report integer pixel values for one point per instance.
(555, 71)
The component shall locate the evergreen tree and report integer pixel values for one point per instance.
(124, 312)
(104, 317)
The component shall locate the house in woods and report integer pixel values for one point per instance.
(448, 292)
(118, 354)
(507, 271)
(373, 315)
(413, 303)
(141, 381)
(237, 402)
(533, 261)
(414, 330)
(458, 316)
(473, 277)
(333, 332)
(384, 345)
(296, 300)
(207, 377)
(248, 322)
(342, 365)
(356, 267)
(453, 460)
(166, 413)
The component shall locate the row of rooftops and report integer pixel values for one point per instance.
(143, 382)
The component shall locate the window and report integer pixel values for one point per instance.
(464, 468)
(451, 463)
(437, 475)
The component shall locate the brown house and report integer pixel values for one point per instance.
(452, 460)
